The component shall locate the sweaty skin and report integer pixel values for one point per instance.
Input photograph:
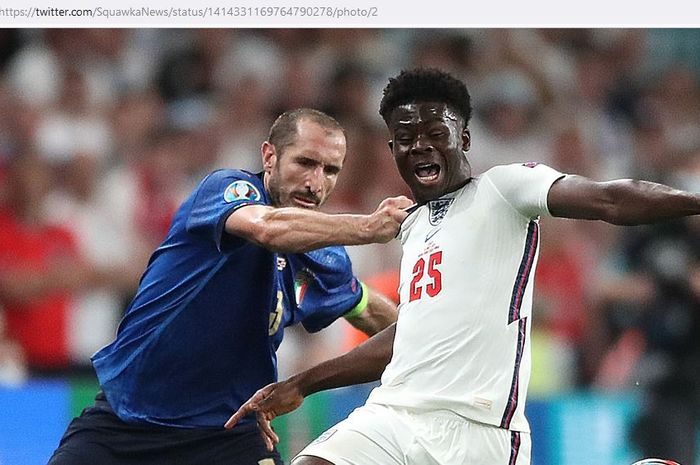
(429, 144)
(304, 173)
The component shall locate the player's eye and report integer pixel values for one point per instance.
(306, 162)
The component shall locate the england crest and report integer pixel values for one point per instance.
(438, 210)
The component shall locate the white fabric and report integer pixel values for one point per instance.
(382, 435)
(455, 348)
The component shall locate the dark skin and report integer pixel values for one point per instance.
(429, 144)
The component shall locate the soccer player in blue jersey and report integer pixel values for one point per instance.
(246, 256)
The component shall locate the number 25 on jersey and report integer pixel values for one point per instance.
(433, 282)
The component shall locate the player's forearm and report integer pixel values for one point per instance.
(623, 202)
(379, 314)
(363, 364)
(642, 202)
(297, 230)
(300, 230)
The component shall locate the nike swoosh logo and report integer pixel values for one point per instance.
(431, 234)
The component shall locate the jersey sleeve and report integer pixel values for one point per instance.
(325, 286)
(524, 186)
(218, 195)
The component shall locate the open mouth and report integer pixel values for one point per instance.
(427, 172)
(305, 202)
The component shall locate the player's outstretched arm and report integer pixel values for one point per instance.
(621, 202)
(364, 363)
(379, 313)
(290, 229)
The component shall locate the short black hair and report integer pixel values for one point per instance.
(426, 85)
(284, 130)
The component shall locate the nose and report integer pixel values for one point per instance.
(421, 144)
(314, 181)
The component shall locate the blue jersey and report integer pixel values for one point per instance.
(200, 336)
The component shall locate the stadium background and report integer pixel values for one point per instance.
(102, 133)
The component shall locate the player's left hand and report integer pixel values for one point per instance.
(269, 402)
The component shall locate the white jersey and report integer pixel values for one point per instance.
(462, 337)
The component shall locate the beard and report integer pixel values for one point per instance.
(281, 197)
(274, 192)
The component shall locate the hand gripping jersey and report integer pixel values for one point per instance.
(462, 337)
(200, 336)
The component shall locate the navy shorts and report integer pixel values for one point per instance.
(98, 436)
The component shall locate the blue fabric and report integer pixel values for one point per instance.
(199, 337)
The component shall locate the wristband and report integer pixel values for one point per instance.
(361, 305)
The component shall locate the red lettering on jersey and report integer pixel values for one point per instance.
(434, 287)
(416, 290)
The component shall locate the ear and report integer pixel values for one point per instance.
(269, 156)
(466, 140)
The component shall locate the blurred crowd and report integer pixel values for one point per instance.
(103, 132)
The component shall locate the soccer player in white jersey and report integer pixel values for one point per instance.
(457, 363)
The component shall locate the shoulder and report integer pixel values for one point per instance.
(518, 173)
(514, 168)
(232, 175)
(524, 186)
(233, 184)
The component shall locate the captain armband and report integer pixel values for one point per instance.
(361, 305)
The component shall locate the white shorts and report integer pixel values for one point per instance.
(383, 435)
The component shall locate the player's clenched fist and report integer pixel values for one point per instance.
(386, 219)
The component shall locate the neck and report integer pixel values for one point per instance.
(459, 185)
(451, 188)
